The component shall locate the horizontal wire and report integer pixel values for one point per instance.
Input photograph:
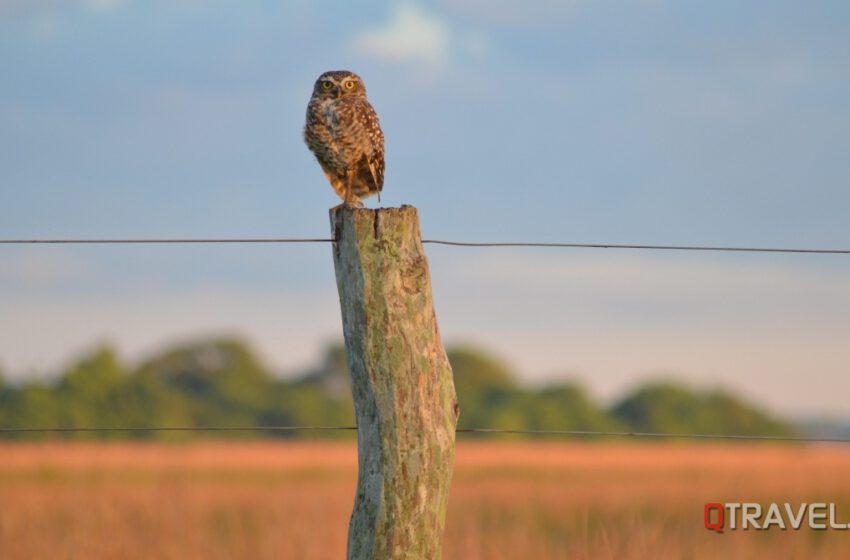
(799, 439)
(431, 241)
(633, 246)
(576, 433)
(181, 429)
(157, 240)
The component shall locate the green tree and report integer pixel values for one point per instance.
(86, 393)
(487, 392)
(669, 408)
(32, 405)
(332, 374)
(219, 382)
(567, 407)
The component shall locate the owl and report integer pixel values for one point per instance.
(343, 132)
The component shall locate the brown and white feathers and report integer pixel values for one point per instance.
(343, 132)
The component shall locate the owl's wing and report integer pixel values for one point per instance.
(374, 155)
(376, 167)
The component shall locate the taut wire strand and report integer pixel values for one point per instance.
(572, 433)
(717, 248)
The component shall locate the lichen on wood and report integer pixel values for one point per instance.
(401, 381)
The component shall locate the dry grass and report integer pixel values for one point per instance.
(509, 500)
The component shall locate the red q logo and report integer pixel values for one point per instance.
(717, 524)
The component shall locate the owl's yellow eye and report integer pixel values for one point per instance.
(327, 85)
(349, 84)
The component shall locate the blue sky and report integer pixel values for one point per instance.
(646, 121)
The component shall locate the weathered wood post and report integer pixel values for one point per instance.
(402, 384)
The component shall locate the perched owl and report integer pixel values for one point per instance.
(343, 132)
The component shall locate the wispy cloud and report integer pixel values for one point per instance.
(411, 34)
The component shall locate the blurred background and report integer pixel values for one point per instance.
(644, 121)
(637, 122)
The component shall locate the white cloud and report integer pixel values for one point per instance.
(411, 34)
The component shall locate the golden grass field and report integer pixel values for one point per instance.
(509, 500)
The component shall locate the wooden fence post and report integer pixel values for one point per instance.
(402, 384)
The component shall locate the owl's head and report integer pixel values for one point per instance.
(338, 83)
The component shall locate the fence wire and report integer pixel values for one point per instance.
(632, 246)
(566, 433)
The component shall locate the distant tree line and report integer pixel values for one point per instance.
(222, 383)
